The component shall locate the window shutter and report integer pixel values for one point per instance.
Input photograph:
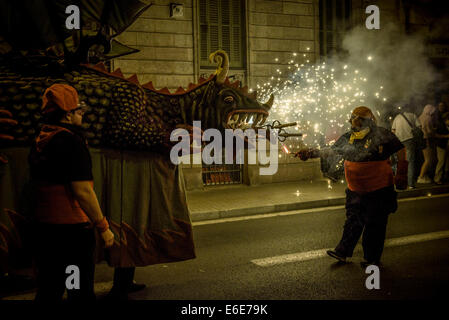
(335, 20)
(204, 31)
(221, 25)
(226, 27)
(237, 34)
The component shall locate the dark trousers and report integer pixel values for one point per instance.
(57, 247)
(123, 279)
(367, 214)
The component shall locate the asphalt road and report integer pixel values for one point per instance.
(413, 267)
(282, 257)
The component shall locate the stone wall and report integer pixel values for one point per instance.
(276, 30)
(166, 46)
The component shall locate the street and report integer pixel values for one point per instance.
(231, 256)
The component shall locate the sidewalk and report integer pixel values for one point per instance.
(240, 200)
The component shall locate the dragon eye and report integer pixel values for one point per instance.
(229, 99)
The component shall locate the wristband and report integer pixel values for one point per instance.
(102, 225)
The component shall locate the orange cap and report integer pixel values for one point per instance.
(363, 112)
(60, 96)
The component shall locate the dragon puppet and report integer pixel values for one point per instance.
(129, 118)
(127, 124)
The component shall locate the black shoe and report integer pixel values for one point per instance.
(365, 264)
(134, 287)
(335, 255)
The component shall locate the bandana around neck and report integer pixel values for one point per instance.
(358, 135)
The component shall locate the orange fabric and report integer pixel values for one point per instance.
(60, 96)
(368, 176)
(56, 205)
(46, 134)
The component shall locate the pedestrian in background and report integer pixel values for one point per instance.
(428, 120)
(442, 135)
(402, 127)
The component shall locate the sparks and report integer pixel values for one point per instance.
(320, 98)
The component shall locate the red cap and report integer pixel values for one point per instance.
(60, 96)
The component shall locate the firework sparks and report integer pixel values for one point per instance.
(319, 97)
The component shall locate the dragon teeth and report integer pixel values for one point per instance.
(258, 120)
(264, 119)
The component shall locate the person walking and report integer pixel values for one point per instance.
(428, 120)
(402, 127)
(66, 208)
(441, 135)
(370, 196)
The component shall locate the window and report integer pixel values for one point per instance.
(335, 20)
(222, 26)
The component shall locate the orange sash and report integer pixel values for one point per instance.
(368, 176)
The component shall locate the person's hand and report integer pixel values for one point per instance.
(304, 154)
(108, 238)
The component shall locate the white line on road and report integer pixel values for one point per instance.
(316, 254)
(293, 212)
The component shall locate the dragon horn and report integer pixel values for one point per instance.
(220, 57)
(270, 101)
(254, 94)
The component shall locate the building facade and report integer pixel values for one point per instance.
(176, 38)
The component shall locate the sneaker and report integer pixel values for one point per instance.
(424, 180)
(335, 255)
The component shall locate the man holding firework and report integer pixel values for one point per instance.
(370, 196)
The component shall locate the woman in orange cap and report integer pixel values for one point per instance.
(66, 205)
(370, 196)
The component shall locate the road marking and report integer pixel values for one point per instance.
(316, 254)
(301, 211)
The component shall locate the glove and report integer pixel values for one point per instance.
(400, 180)
(304, 154)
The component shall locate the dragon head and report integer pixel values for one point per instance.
(235, 107)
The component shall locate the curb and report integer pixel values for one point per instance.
(239, 212)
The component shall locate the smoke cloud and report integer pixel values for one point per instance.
(382, 69)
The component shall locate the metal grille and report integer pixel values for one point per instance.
(222, 174)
